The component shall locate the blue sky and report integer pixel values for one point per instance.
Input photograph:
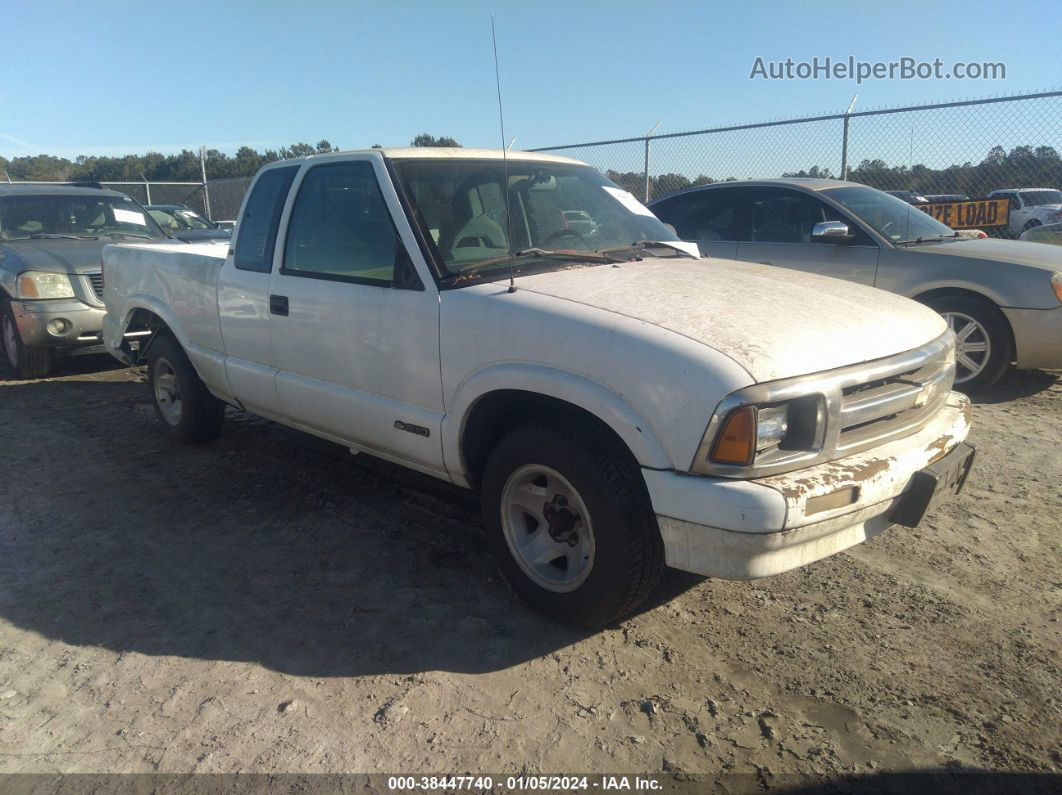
(113, 77)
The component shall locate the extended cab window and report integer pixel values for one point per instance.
(341, 228)
(258, 226)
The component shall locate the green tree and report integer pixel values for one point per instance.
(424, 139)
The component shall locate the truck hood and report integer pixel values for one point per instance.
(775, 323)
(1017, 252)
(53, 255)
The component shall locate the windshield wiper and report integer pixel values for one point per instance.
(46, 236)
(931, 239)
(110, 234)
(585, 256)
(641, 245)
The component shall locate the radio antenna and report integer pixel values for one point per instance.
(505, 162)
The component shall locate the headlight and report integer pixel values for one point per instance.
(44, 285)
(772, 423)
(1056, 284)
(750, 433)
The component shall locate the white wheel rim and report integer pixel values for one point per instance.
(973, 347)
(10, 343)
(167, 392)
(548, 528)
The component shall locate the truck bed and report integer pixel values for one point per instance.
(172, 279)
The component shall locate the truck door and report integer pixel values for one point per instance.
(243, 294)
(355, 320)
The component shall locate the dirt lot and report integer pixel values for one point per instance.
(271, 603)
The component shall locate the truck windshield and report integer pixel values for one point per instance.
(1035, 198)
(892, 218)
(71, 215)
(460, 206)
(179, 219)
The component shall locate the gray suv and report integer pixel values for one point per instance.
(1003, 298)
(51, 285)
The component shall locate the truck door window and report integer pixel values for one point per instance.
(341, 228)
(258, 227)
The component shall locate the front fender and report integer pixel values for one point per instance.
(608, 406)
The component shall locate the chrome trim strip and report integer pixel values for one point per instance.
(932, 372)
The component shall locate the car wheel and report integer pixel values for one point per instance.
(26, 362)
(1032, 224)
(983, 346)
(183, 404)
(570, 524)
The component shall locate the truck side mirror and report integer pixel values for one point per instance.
(831, 232)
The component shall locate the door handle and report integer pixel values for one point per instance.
(278, 305)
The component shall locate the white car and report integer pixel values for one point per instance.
(1030, 207)
(617, 401)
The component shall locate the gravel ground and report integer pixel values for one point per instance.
(270, 603)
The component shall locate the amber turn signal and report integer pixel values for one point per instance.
(736, 442)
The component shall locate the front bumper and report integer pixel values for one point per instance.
(83, 323)
(1037, 337)
(745, 529)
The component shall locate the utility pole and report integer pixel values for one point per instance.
(648, 135)
(844, 139)
(206, 190)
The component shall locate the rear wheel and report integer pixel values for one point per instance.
(982, 340)
(570, 524)
(1030, 225)
(183, 404)
(26, 362)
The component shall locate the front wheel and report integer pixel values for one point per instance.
(982, 340)
(569, 523)
(183, 404)
(26, 362)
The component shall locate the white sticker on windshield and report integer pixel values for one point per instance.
(128, 216)
(628, 201)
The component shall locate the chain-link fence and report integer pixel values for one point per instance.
(966, 148)
(226, 196)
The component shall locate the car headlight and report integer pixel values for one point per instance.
(750, 433)
(44, 285)
(1056, 284)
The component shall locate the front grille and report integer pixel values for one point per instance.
(893, 404)
(97, 284)
(854, 408)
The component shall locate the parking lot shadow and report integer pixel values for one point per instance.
(1017, 384)
(267, 546)
(73, 366)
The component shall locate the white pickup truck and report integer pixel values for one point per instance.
(621, 404)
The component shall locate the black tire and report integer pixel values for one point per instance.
(1031, 224)
(24, 361)
(629, 554)
(995, 326)
(199, 414)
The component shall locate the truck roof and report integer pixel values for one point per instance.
(1018, 190)
(39, 189)
(456, 153)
